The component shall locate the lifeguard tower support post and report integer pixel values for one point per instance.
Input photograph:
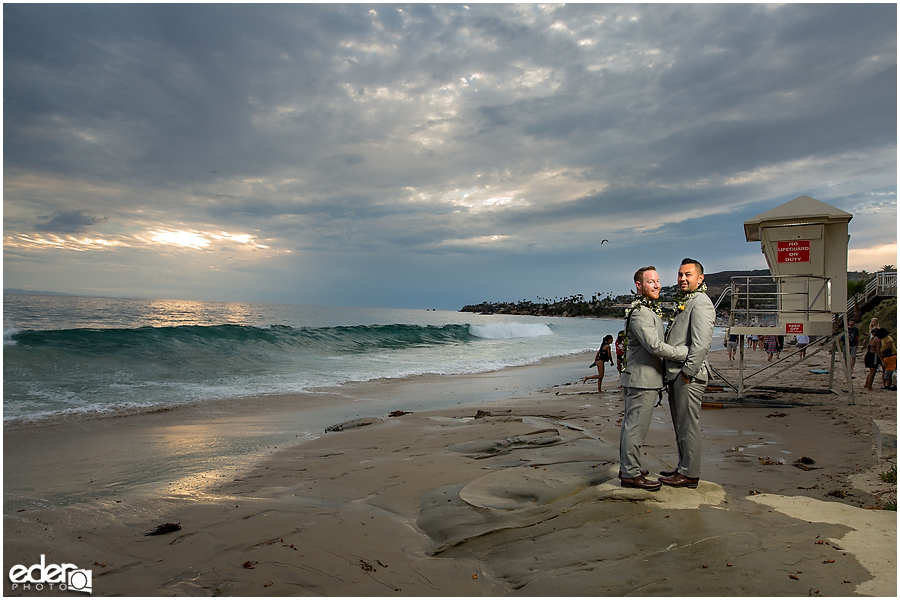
(805, 244)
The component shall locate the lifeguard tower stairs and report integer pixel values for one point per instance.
(805, 244)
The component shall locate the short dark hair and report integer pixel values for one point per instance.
(692, 261)
(639, 274)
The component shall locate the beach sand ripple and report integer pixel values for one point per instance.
(523, 500)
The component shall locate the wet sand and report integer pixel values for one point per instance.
(519, 499)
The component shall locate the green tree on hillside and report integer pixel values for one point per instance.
(886, 313)
(855, 287)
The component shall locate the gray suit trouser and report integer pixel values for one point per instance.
(639, 405)
(684, 403)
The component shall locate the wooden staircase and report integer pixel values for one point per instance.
(882, 287)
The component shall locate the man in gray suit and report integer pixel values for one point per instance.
(642, 379)
(687, 379)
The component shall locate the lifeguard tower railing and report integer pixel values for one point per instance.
(785, 305)
(886, 282)
(767, 301)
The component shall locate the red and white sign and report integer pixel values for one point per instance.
(793, 328)
(794, 251)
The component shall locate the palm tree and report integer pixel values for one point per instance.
(856, 287)
(888, 268)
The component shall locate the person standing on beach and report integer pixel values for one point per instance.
(620, 351)
(873, 325)
(887, 349)
(603, 356)
(693, 327)
(873, 355)
(642, 378)
(620, 355)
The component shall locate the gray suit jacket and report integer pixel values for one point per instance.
(646, 349)
(692, 327)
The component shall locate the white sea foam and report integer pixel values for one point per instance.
(7, 336)
(508, 331)
(50, 417)
(69, 367)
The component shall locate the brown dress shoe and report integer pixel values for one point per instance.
(641, 483)
(669, 473)
(679, 480)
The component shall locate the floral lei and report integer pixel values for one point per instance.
(636, 304)
(641, 301)
(681, 300)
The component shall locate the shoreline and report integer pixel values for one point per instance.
(443, 501)
(181, 446)
(229, 400)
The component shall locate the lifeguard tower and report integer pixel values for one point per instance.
(805, 244)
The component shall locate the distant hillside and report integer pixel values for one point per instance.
(718, 282)
(723, 278)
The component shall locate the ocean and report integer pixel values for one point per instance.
(71, 357)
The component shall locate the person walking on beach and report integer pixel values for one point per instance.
(731, 344)
(802, 343)
(693, 327)
(642, 378)
(771, 346)
(603, 356)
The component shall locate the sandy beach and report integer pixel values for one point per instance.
(510, 491)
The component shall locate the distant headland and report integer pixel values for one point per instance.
(609, 306)
(32, 293)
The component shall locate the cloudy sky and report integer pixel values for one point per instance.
(431, 156)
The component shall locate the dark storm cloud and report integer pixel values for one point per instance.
(168, 86)
(177, 87)
(73, 221)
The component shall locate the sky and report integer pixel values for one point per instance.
(418, 156)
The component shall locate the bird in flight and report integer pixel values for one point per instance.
(603, 242)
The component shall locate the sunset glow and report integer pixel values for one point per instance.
(181, 238)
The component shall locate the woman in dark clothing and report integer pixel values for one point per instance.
(604, 355)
